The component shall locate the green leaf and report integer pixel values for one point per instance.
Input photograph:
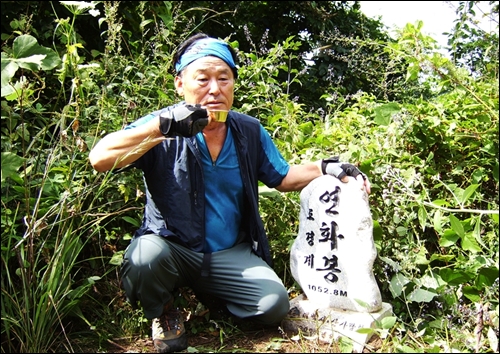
(401, 230)
(362, 303)
(421, 256)
(477, 231)
(454, 277)
(471, 293)
(388, 322)
(30, 55)
(495, 171)
(24, 46)
(268, 192)
(438, 221)
(383, 113)
(9, 69)
(431, 281)
(422, 217)
(440, 202)
(468, 193)
(117, 258)
(91, 280)
(132, 221)
(365, 330)
(486, 277)
(27, 54)
(421, 295)
(145, 23)
(10, 164)
(448, 238)
(492, 339)
(394, 265)
(469, 243)
(456, 225)
(441, 257)
(397, 284)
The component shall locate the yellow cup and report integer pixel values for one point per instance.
(218, 115)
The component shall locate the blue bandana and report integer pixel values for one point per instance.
(203, 48)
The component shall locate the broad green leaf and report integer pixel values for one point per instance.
(454, 277)
(9, 69)
(30, 55)
(10, 164)
(486, 277)
(421, 295)
(32, 63)
(448, 238)
(9, 92)
(468, 193)
(433, 281)
(456, 225)
(388, 322)
(397, 284)
(383, 113)
(469, 243)
(24, 46)
(471, 293)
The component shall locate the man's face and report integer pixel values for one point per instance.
(208, 81)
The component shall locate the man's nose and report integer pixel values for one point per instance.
(214, 87)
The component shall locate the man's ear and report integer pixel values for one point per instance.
(179, 86)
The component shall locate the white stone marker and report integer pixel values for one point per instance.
(332, 259)
(333, 254)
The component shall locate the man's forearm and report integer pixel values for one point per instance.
(121, 148)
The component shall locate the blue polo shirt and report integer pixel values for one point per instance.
(223, 195)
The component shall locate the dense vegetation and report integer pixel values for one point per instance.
(423, 125)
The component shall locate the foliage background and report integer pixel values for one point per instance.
(423, 126)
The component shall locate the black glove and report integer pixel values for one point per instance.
(334, 167)
(184, 120)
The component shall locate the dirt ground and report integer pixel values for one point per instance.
(213, 330)
(262, 341)
(238, 339)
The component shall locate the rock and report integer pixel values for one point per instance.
(333, 254)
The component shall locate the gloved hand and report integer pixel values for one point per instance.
(334, 167)
(184, 120)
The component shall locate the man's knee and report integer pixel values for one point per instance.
(274, 307)
(146, 252)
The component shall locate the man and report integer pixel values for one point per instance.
(201, 226)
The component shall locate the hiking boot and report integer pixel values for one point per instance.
(169, 334)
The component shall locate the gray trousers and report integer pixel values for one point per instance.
(154, 267)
